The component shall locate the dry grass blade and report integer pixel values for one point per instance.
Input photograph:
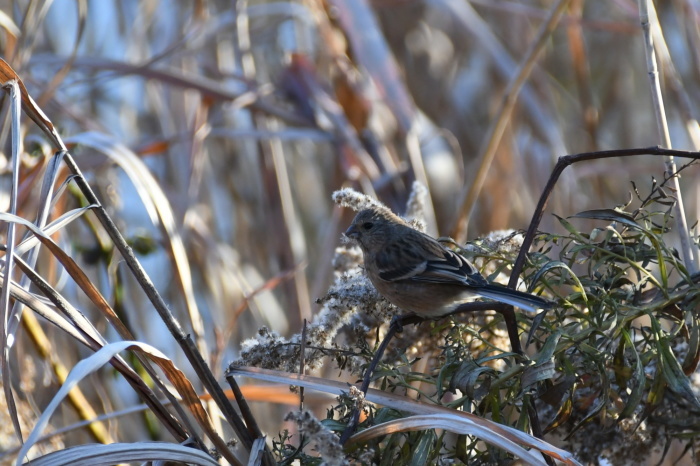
(89, 334)
(19, 93)
(99, 359)
(85, 327)
(8, 74)
(9, 25)
(7, 319)
(46, 204)
(450, 423)
(78, 398)
(257, 452)
(30, 107)
(188, 346)
(78, 275)
(61, 222)
(160, 212)
(405, 404)
(41, 307)
(190, 398)
(83, 331)
(98, 455)
(78, 425)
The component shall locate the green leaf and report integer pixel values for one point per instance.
(387, 414)
(547, 351)
(562, 415)
(637, 393)
(693, 355)
(570, 228)
(423, 449)
(537, 373)
(661, 263)
(560, 265)
(677, 381)
(536, 322)
(600, 403)
(611, 215)
(445, 372)
(465, 379)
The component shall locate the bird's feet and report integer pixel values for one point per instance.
(397, 323)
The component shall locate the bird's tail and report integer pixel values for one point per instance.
(525, 301)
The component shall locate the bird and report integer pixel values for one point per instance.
(418, 274)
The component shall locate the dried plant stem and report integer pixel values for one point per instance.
(75, 396)
(580, 63)
(17, 90)
(498, 125)
(688, 249)
(185, 341)
(127, 372)
(247, 414)
(302, 363)
(5, 342)
(414, 155)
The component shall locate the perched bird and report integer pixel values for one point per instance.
(418, 274)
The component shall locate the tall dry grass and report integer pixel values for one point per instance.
(214, 133)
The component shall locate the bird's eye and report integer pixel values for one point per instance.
(367, 225)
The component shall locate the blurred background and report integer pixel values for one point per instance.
(216, 131)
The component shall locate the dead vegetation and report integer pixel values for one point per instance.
(170, 184)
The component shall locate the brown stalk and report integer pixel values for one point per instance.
(498, 125)
(688, 248)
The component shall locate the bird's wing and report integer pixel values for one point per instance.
(423, 259)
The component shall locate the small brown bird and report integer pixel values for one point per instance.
(419, 275)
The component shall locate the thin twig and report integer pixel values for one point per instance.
(302, 363)
(561, 165)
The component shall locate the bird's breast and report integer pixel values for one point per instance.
(423, 299)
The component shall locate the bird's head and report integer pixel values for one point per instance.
(372, 226)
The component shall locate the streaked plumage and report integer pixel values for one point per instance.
(419, 275)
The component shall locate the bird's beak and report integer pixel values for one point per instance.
(352, 232)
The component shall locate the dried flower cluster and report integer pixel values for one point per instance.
(352, 301)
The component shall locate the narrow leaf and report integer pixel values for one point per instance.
(610, 215)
